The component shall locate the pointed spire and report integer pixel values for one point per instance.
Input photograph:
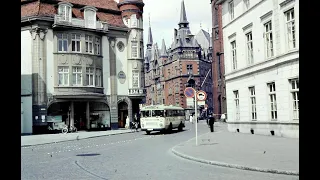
(163, 51)
(150, 40)
(183, 16)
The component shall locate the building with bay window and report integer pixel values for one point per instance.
(261, 56)
(81, 63)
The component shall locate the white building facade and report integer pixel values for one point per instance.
(261, 50)
(81, 64)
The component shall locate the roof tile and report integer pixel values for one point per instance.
(105, 4)
(43, 9)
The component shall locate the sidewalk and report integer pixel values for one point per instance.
(243, 151)
(53, 138)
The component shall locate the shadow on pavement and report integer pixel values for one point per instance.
(174, 131)
(91, 154)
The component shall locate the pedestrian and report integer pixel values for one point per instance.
(191, 118)
(211, 123)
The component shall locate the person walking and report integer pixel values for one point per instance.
(211, 122)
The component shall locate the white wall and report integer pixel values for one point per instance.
(106, 65)
(122, 65)
(283, 66)
(50, 62)
(253, 16)
(26, 103)
(26, 63)
(280, 76)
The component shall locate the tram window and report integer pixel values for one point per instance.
(158, 113)
(145, 113)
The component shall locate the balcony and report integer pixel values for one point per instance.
(76, 22)
(137, 92)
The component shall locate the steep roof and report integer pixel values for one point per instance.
(38, 8)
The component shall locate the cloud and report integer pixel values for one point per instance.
(165, 16)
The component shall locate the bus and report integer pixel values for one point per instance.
(161, 118)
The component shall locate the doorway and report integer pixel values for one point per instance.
(122, 114)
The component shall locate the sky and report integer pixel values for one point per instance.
(165, 16)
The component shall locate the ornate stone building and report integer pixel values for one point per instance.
(167, 71)
(82, 62)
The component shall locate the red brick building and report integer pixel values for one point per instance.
(219, 88)
(167, 71)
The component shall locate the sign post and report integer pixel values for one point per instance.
(196, 116)
(189, 92)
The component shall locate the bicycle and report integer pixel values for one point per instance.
(73, 129)
(134, 126)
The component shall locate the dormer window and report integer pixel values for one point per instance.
(64, 11)
(90, 17)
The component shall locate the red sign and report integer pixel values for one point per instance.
(201, 95)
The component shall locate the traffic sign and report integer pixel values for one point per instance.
(201, 95)
(189, 92)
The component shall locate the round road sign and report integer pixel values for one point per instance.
(201, 96)
(189, 92)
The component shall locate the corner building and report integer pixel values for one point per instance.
(261, 51)
(81, 63)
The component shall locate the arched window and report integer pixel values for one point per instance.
(64, 12)
(90, 17)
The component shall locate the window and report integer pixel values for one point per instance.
(253, 103)
(273, 100)
(268, 39)
(295, 97)
(246, 4)
(216, 32)
(231, 10)
(97, 46)
(89, 76)
(141, 49)
(290, 29)
(134, 49)
(135, 79)
(65, 12)
(89, 44)
(75, 42)
(234, 55)
(189, 69)
(98, 77)
(237, 108)
(177, 87)
(90, 18)
(249, 48)
(62, 42)
(63, 75)
(77, 76)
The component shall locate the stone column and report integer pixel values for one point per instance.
(72, 114)
(113, 85)
(88, 115)
(39, 97)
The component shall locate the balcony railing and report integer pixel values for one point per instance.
(137, 92)
(76, 22)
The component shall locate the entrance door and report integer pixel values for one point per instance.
(122, 113)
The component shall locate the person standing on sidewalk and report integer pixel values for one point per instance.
(211, 122)
(191, 118)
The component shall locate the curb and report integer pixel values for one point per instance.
(236, 166)
(75, 139)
